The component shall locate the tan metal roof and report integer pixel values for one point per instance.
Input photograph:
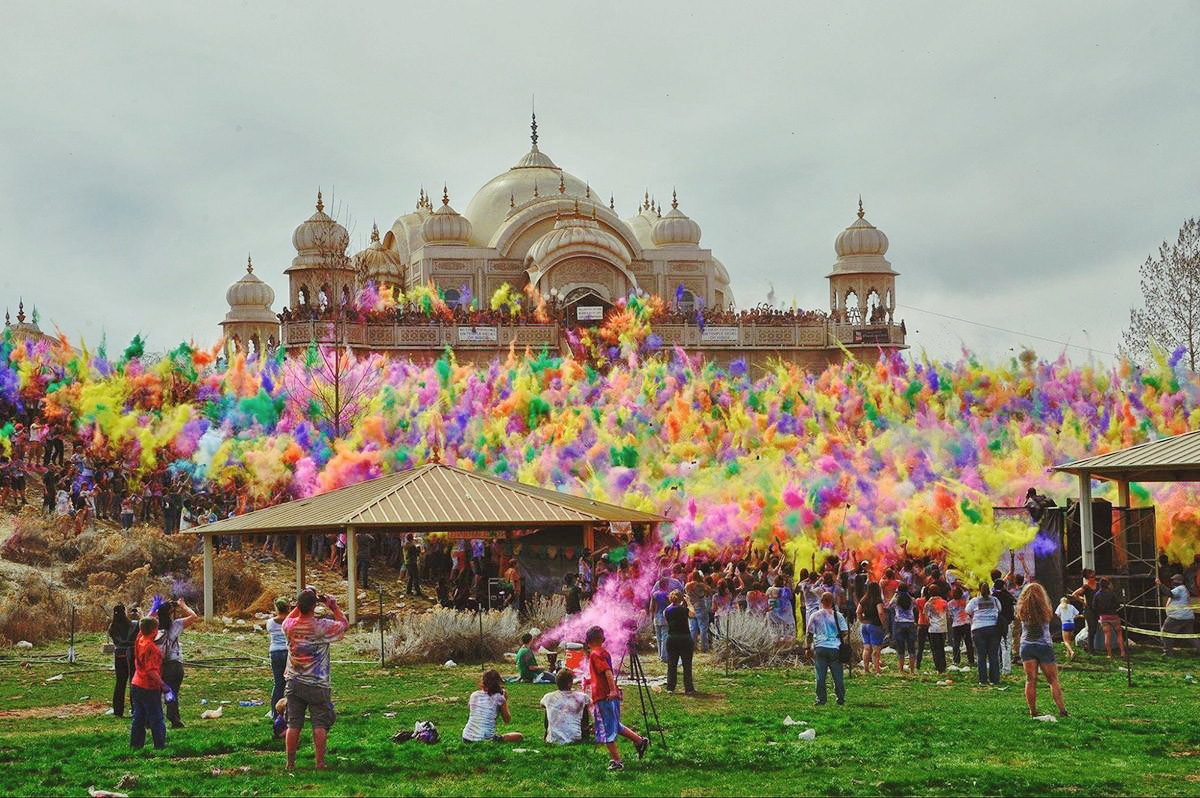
(1174, 459)
(434, 497)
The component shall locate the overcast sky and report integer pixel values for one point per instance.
(1023, 158)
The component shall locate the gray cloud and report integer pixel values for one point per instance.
(1023, 159)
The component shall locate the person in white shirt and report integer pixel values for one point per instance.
(1067, 614)
(1180, 616)
(564, 710)
(485, 704)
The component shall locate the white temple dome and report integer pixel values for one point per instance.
(250, 298)
(860, 238)
(320, 235)
(675, 229)
(446, 225)
(578, 234)
(532, 178)
(379, 263)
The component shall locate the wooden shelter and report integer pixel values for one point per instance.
(1174, 459)
(432, 498)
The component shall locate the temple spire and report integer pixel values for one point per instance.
(674, 199)
(374, 232)
(249, 264)
(860, 207)
(562, 184)
(533, 129)
(320, 202)
(445, 195)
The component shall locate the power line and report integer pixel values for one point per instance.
(1006, 330)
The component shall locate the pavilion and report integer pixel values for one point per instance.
(432, 498)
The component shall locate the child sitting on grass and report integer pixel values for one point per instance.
(485, 704)
(279, 724)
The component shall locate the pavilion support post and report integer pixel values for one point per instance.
(301, 545)
(208, 578)
(1087, 541)
(1123, 495)
(589, 538)
(351, 576)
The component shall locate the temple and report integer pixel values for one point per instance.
(545, 233)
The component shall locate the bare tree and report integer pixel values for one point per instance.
(1171, 296)
(332, 386)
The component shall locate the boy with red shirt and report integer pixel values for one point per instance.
(606, 700)
(147, 689)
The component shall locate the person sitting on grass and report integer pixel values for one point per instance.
(527, 668)
(606, 701)
(490, 700)
(1037, 647)
(565, 710)
(148, 688)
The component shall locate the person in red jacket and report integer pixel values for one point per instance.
(148, 687)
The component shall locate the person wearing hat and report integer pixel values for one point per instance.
(1180, 616)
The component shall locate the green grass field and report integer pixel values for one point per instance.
(895, 735)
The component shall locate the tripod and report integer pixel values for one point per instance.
(645, 697)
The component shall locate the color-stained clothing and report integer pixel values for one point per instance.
(481, 724)
(825, 626)
(278, 638)
(308, 647)
(564, 716)
(148, 661)
(599, 663)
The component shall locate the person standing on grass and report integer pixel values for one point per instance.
(308, 687)
(1108, 610)
(1180, 616)
(606, 702)
(680, 646)
(960, 630)
(1086, 593)
(1067, 614)
(277, 650)
(871, 612)
(936, 610)
(984, 610)
(826, 629)
(172, 652)
(123, 634)
(148, 689)
(904, 632)
(1037, 647)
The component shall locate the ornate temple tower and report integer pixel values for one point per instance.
(321, 277)
(250, 326)
(862, 285)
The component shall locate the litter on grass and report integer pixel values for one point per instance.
(789, 722)
(450, 664)
(1046, 718)
(808, 734)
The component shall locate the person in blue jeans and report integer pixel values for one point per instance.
(904, 625)
(984, 611)
(277, 650)
(826, 627)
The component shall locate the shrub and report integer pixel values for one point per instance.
(237, 588)
(32, 610)
(545, 612)
(751, 640)
(442, 634)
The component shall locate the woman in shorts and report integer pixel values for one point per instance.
(872, 614)
(1037, 647)
(1067, 613)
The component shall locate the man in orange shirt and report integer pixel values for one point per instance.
(148, 687)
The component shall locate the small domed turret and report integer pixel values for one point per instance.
(675, 229)
(446, 225)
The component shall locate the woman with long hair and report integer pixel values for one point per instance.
(871, 612)
(172, 653)
(1037, 647)
(277, 650)
(904, 631)
(123, 633)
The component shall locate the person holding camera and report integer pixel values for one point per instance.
(308, 688)
(172, 653)
(826, 629)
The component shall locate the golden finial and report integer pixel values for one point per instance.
(646, 203)
(535, 191)
(445, 195)
(658, 210)
(320, 203)
(562, 184)
(421, 199)
(374, 233)
(587, 190)
(7, 321)
(21, 312)
(533, 129)
(612, 203)
(674, 200)
(249, 264)
(576, 206)
(512, 200)
(860, 207)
